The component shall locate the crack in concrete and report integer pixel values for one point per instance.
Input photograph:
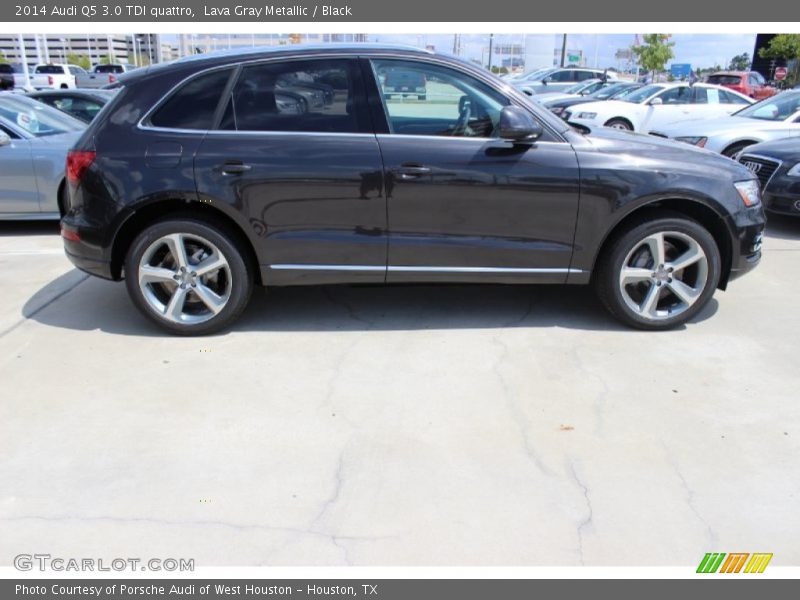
(588, 520)
(710, 533)
(518, 416)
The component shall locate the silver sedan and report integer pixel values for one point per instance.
(771, 119)
(34, 140)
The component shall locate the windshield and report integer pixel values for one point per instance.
(643, 94)
(536, 75)
(574, 89)
(610, 90)
(776, 108)
(36, 118)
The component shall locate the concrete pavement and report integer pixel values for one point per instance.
(419, 425)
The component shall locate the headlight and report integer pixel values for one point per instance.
(586, 115)
(750, 191)
(700, 142)
(794, 171)
(557, 110)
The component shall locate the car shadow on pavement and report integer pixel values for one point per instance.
(79, 302)
(16, 228)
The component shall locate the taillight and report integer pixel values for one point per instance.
(49, 80)
(77, 163)
(111, 79)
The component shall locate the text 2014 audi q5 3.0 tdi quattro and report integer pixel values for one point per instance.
(295, 166)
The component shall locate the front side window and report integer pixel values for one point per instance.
(298, 96)
(194, 104)
(426, 99)
(677, 95)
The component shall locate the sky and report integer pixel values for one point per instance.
(699, 50)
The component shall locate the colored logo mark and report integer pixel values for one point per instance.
(735, 562)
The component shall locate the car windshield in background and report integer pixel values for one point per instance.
(724, 79)
(776, 108)
(36, 118)
(574, 89)
(642, 94)
(610, 91)
(109, 69)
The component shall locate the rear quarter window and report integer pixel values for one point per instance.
(194, 104)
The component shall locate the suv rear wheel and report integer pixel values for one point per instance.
(658, 273)
(188, 276)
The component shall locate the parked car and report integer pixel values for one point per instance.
(404, 83)
(192, 186)
(7, 80)
(34, 140)
(81, 104)
(771, 119)
(749, 83)
(56, 76)
(579, 89)
(614, 91)
(777, 166)
(558, 79)
(658, 105)
(103, 75)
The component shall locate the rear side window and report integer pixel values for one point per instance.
(728, 98)
(724, 79)
(108, 69)
(50, 70)
(194, 104)
(298, 96)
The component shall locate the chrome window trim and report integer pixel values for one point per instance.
(421, 269)
(513, 95)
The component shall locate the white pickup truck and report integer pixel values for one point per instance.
(103, 75)
(56, 76)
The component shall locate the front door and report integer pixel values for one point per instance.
(464, 205)
(296, 153)
(17, 179)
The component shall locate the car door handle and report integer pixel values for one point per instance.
(232, 167)
(411, 171)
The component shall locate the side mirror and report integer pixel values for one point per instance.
(656, 102)
(518, 125)
(5, 139)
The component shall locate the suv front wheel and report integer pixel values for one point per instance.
(659, 273)
(188, 276)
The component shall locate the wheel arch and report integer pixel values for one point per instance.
(152, 210)
(743, 142)
(693, 208)
(626, 119)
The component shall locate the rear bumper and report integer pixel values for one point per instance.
(83, 253)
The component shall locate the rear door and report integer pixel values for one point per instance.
(296, 153)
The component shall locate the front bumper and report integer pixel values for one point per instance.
(748, 225)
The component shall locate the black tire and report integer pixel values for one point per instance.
(608, 272)
(238, 275)
(422, 97)
(734, 149)
(619, 124)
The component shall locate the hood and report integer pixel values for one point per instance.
(722, 126)
(786, 150)
(645, 147)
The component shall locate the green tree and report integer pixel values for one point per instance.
(654, 52)
(740, 62)
(106, 60)
(80, 60)
(3, 59)
(785, 46)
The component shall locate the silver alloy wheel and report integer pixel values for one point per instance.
(184, 278)
(663, 275)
